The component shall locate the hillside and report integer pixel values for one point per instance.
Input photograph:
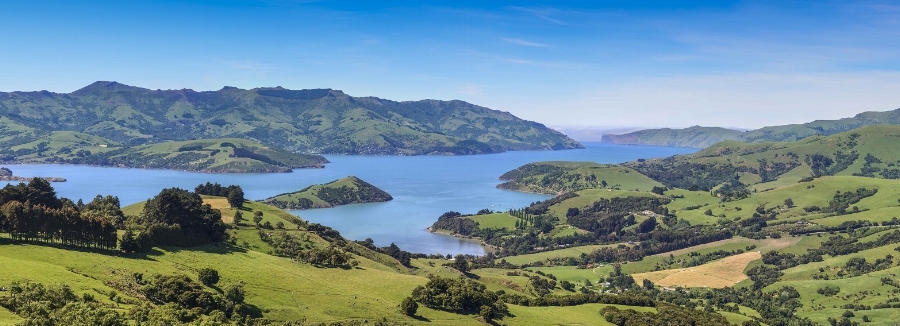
(312, 120)
(555, 178)
(700, 137)
(228, 155)
(349, 190)
(695, 137)
(869, 151)
(268, 274)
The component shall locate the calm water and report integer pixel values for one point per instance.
(423, 188)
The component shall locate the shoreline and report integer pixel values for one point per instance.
(290, 170)
(487, 247)
(14, 178)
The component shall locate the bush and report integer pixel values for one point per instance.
(409, 306)
(208, 276)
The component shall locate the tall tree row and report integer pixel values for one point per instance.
(32, 212)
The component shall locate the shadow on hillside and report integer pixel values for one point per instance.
(105, 252)
(420, 318)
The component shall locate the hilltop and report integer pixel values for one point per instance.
(311, 120)
(554, 178)
(700, 137)
(227, 155)
(349, 190)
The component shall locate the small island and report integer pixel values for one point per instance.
(349, 190)
(7, 175)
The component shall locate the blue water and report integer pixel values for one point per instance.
(423, 188)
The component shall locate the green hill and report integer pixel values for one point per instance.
(696, 137)
(264, 275)
(228, 155)
(700, 137)
(869, 151)
(312, 120)
(349, 190)
(559, 177)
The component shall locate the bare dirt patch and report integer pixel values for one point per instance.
(717, 274)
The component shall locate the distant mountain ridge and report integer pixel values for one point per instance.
(700, 137)
(310, 120)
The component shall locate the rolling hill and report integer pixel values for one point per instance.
(700, 137)
(349, 190)
(311, 120)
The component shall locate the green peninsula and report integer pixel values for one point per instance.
(554, 178)
(227, 155)
(349, 190)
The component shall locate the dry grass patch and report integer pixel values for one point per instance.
(718, 274)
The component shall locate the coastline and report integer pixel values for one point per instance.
(290, 170)
(26, 179)
(487, 248)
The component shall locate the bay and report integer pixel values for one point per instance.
(423, 188)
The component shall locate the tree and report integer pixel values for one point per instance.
(129, 244)
(235, 196)
(238, 218)
(208, 276)
(409, 306)
(789, 203)
(257, 217)
(461, 264)
(235, 292)
(279, 225)
(486, 313)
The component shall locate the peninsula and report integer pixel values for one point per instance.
(349, 190)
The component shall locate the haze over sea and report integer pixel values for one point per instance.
(423, 187)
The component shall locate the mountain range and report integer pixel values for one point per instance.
(318, 121)
(700, 137)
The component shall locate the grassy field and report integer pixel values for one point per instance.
(718, 274)
(495, 221)
(559, 253)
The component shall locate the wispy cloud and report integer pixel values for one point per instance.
(524, 42)
(544, 13)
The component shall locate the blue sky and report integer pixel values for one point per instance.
(589, 63)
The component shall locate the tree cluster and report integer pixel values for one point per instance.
(32, 212)
(233, 193)
(460, 295)
(177, 217)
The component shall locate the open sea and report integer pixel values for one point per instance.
(423, 187)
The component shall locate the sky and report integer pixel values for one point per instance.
(742, 64)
